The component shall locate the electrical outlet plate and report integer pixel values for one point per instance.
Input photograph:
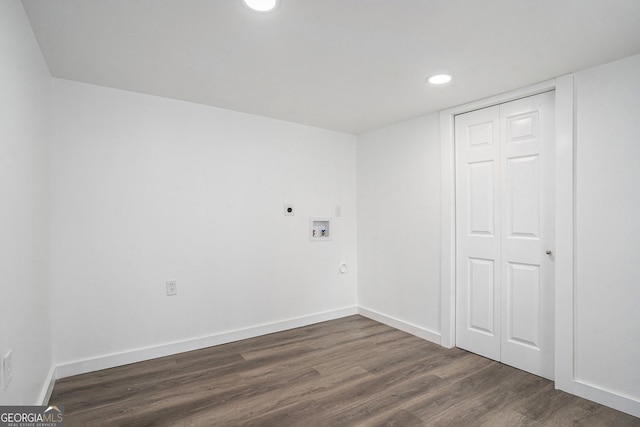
(7, 369)
(289, 210)
(172, 288)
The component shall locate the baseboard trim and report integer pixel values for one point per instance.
(605, 397)
(142, 354)
(407, 327)
(47, 388)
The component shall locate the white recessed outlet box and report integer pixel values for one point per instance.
(338, 211)
(172, 288)
(7, 368)
(289, 210)
(319, 229)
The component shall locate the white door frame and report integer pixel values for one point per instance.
(564, 198)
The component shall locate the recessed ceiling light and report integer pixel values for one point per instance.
(261, 5)
(439, 79)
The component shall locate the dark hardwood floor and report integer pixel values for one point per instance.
(350, 371)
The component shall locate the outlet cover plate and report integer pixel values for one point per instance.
(289, 210)
(7, 368)
(172, 288)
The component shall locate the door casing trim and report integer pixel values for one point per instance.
(564, 210)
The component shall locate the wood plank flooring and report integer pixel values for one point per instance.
(346, 372)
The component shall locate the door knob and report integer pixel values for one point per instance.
(548, 252)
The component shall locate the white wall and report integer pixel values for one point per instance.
(25, 315)
(147, 189)
(399, 224)
(607, 319)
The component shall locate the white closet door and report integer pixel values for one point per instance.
(478, 232)
(528, 231)
(504, 226)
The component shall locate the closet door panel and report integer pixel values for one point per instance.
(527, 271)
(478, 232)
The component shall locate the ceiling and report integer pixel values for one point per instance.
(346, 65)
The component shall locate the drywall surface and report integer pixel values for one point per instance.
(148, 189)
(398, 222)
(25, 312)
(607, 320)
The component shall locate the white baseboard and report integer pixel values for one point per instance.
(605, 397)
(47, 388)
(407, 327)
(139, 355)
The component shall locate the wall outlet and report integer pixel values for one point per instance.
(7, 368)
(338, 211)
(172, 288)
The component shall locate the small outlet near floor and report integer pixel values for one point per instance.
(7, 368)
(172, 288)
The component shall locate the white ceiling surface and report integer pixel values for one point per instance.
(346, 65)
